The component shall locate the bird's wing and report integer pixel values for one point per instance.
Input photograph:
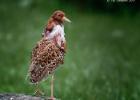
(45, 59)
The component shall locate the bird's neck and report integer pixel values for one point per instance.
(51, 24)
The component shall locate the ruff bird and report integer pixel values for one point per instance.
(49, 52)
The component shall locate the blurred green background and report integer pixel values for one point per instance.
(103, 56)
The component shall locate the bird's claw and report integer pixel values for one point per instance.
(38, 93)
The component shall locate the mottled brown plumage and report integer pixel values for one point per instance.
(46, 57)
(49, 52)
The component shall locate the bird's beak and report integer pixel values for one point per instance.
(66, 19)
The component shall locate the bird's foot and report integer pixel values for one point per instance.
(38, 93)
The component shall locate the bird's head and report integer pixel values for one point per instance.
(60, 17)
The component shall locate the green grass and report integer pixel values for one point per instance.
(102, 60)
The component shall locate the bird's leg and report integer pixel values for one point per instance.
(38, 92)
(52, 87)
(52, 80)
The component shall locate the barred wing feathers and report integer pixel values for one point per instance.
(45, 58)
